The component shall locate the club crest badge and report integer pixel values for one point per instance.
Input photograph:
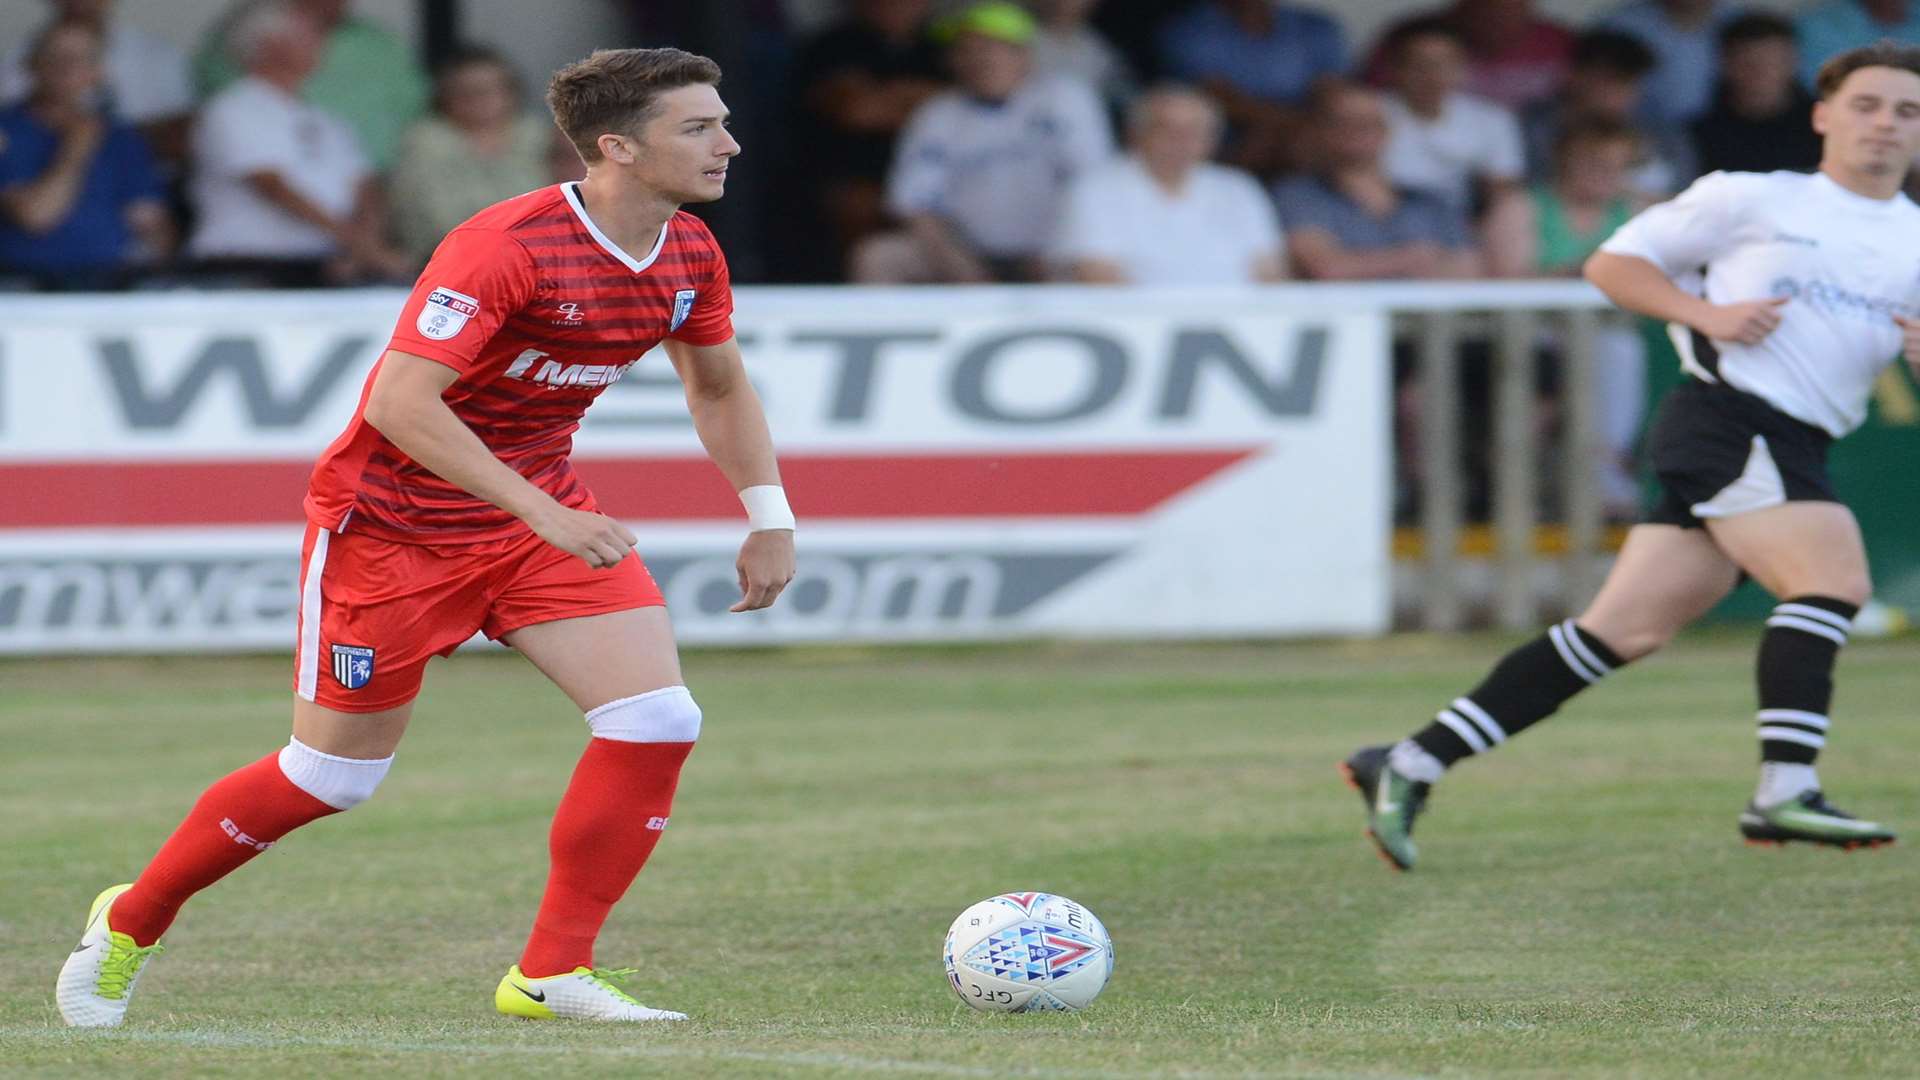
(682, 307)
(352, 665)
(445, 313)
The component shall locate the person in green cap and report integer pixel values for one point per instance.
(981, 170)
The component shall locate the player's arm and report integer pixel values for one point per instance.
(406, 406)
(733, 427)
(1639, 286)
(1637, 264)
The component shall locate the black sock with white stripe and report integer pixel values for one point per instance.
(1797, 653)
(1524, 688)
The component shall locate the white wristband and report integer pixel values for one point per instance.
(766, 507)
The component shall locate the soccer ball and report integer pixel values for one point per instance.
(1028, 952)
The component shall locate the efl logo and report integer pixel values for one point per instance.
(241, 838)
(445, 313)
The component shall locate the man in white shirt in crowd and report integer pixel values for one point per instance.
(981, 170)
(284, 195)
(147, 84)
(1164, 214)
(1464, 149)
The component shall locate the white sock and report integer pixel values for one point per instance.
(1783, 780)
(1411, 760)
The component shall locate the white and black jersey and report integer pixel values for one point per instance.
(1847, 262)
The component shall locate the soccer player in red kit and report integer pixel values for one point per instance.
(449, 506)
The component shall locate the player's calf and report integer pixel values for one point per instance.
(241, 816)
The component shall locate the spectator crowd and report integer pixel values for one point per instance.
(1150, 141)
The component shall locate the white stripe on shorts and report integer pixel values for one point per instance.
(309, 646)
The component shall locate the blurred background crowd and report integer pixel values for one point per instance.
(911, 141)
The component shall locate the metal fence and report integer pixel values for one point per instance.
(1512, 318)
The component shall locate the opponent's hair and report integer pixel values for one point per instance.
(618, 90)
(1883, 53)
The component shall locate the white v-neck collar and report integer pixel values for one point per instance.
(571, 190)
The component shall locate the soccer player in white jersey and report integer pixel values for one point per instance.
(1787, 294)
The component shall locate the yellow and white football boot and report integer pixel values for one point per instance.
(98, 978)
(581, 994)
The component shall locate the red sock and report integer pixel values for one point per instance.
(605, 828)
(240, 816)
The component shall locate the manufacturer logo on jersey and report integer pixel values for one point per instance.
(570, 314)
(352, 665)
(682, 307)
(446, 313)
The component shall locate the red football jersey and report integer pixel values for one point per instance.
(539, 312)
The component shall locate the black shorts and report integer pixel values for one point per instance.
(1719, 452)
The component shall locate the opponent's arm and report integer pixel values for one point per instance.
(1639, 286)
(405, 405)
(732, 426)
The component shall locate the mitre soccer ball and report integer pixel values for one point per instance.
(1028, 952)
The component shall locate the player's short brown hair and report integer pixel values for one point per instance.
(618, 91)
(1883, 53)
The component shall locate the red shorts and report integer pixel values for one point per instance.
(373, 612)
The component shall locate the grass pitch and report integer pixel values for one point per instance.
(1584, 907)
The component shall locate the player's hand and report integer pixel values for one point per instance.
(1747, 323)
(1909, 339)
(765, 566)
(596, 539)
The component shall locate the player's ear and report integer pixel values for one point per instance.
(1820, 117)
(617, 148)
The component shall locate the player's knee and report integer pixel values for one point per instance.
(342, 783)
(665, 715)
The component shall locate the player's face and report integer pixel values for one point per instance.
(684, 150)
(1872, 122)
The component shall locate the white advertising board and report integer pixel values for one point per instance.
(966, 464)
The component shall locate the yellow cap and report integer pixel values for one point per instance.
(999, 19)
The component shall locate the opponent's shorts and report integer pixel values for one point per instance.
(373, 612)
(1719, 452)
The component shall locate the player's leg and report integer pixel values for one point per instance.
(1811, 556)
(621, 668)
(351, 707)
(1666, 577)
(333, 762)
